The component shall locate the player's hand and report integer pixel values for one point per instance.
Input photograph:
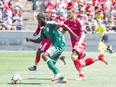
(28, 39)
(35, 34)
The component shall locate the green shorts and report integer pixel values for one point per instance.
(55, 53)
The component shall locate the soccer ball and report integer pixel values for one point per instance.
(16, 79)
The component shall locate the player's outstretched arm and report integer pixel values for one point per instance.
(33, 40)
(66, 28)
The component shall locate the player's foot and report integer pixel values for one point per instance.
(110, 49)
(63, 59)
(32, 68)
(57, 77)
(80, 78)
(102, 58)
(62, 81)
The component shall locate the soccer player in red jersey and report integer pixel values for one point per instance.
(79, 45)
(44, 45)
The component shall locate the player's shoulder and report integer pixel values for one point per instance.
(66, 21)
(51, 22)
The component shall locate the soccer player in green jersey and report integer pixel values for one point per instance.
(54, 32)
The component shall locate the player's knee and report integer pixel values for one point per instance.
(83, 63)
(45, 56)
(38, 52)
(73, 57)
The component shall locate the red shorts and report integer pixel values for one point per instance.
(80, 51)
(45, 44)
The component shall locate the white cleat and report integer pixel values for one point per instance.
(80, 78)
(56, 77)
(62, 81)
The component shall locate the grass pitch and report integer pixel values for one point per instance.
(17, 62)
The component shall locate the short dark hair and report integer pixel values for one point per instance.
(41, 15)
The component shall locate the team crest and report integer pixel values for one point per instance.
(47, 29)
(75, 25)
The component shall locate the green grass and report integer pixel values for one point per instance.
(17, 62)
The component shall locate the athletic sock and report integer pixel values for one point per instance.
(52, 67)
(81, 75)
(62, 78)
(37, 59)
(61, 58)
(35, 67)
(78, 66)
(89, 61)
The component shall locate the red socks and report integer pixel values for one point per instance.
(89, 61)
(61, 58)
(37, 59)
(34, 67)
(78, 65)
(81, 75)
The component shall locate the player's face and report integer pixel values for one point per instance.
(70, 14)
(41, 21)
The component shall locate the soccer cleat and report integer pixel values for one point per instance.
(63, 59)
(110, 49)
(32, 68)
(56, 77)
(62, 81)
(80, 78)
(102, 58)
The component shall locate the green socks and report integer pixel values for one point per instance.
(52, 66)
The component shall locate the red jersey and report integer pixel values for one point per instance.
(76, 27)
(38, 29)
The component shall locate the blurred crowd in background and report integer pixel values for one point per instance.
(10, 15)
(87, 10)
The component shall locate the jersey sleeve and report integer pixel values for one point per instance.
(81, 26)
(38, 29)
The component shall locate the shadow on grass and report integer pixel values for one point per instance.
(25, 84)
(17, 70)
(38, 78)
(46, 79)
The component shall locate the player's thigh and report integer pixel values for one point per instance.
(44, 46)
(56, 56)
(79, 50)
(54, 53)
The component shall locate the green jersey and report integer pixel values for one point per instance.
(52, 32)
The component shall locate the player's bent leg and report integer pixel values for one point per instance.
(37, 59)
(51, 66)
(63, 59)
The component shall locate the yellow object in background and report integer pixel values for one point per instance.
(102, 47)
